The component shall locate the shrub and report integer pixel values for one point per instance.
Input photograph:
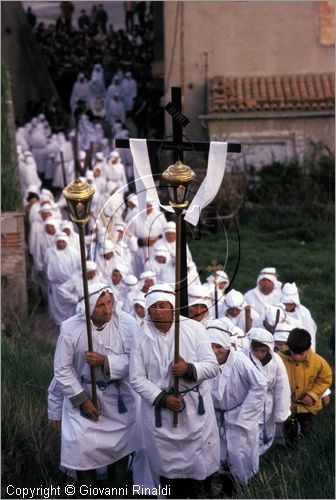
(10, 196)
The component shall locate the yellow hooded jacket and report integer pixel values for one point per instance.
(312, 376)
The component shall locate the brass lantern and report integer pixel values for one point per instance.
(78, 196)
(178, 178)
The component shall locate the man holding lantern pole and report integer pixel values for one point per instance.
(184, 455)
(104, 434)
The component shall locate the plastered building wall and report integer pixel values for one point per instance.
(204, 39)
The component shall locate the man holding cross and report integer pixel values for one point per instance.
(185, 455)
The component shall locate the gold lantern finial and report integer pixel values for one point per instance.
(78, 195)
(178, 177)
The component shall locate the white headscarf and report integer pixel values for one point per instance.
(282, 331)
(197, 294)
(95, 291)
(217, 334)
(268, 273)
(234, 299)
(290, 294)
(161, 292)
(263, 336)
(272, 312)
(170, 227)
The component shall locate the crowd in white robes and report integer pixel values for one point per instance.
(131, 252)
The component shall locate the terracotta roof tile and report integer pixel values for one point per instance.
(278, 93)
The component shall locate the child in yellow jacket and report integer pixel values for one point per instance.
(309, 376)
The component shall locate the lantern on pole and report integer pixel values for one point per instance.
(78, 196)
(178, 178)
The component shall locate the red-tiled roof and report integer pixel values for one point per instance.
(268, 93)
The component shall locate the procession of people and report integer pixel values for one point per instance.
(249, 374)
(238, 353)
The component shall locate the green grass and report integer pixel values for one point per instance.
(30, 448)
(268, 239)
(309, 263)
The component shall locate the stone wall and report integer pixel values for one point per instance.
(13, 266)
(265, 140)
(30, 78)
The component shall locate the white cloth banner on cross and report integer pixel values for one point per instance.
(207, 191)
(143, 177)
(211, 182)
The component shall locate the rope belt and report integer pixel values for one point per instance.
(122, 408)
(220, 417)
(200, 409)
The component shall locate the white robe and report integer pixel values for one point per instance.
(87, 444)
(278, 398)
(240, 319)
(72, 289)
(115, 111)
(303, 315)
(149, 227)
(238, 394)
(190, 450)
(261, 302)
(165, 272)
(59, 265)
(116, 172)
(129, 92)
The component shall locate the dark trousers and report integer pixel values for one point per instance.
(116, 474)
(291, 427)
(184, 488)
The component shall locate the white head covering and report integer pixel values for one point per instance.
(147, 274)
(114, 154)
(99, 155)
(82, 155)
(91, 266)
(107, 247)
(53, 222)
(130, 280)
(221, 277)
(67, 224)
(268, 273)
(197, 294)
(271, 314)
(170, 227)
(282, 331)
(162, 251)
(161, 292)
(33, 189)
(120, 226)
(95, 290)
(217, 334)
(261, 335)
(290, 294)
(89, 175)
(46, 208)
(133, 199)
(234, 299)
(61, 236)
(139, 299)
(48, 193)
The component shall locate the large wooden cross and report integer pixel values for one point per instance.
(178, 146)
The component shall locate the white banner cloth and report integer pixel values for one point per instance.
(145, 185)
(211, 183)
